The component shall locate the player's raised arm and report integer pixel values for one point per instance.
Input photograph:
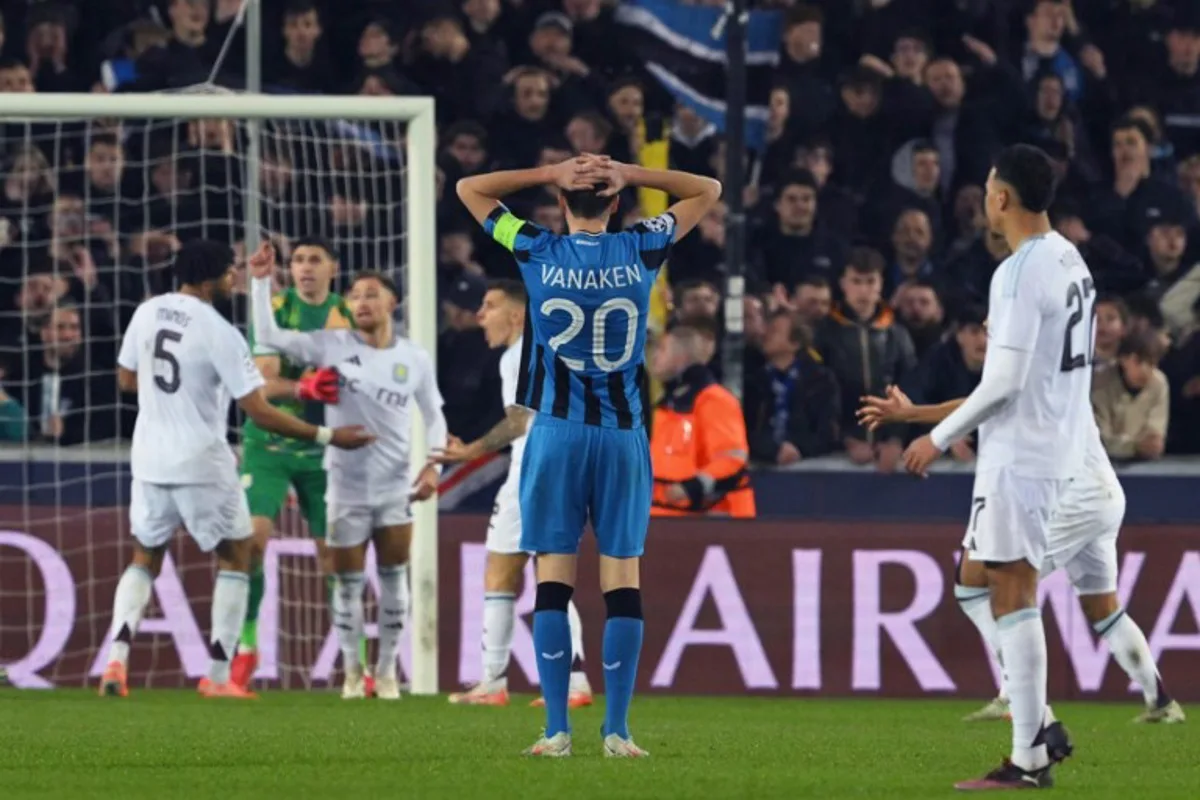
(305, 347)
(514, 425)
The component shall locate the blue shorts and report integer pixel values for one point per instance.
(572, 473)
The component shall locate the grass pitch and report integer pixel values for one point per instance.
(286, 746)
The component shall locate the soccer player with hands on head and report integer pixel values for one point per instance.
(379, 377)
(502, 318)
(184, 361)
(587, 455)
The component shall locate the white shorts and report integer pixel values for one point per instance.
(1083, 535)
(504, 528)
(1010, 517)
(353, 524)
(211, 512)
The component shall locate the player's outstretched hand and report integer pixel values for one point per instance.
(455, 452)
(351, 437)
(319, 386)
(920, 455)
(262, 261)
(877, 411)
(426, 485)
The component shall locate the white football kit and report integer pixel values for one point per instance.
(504, 528)
(367, 488)
(189, 361)
(1032, 443)
(1084, 527)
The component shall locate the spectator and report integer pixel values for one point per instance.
(802, 70)
(13, 420)
(40, 292)
(951, 369)
(519, 132)
(1135, 198)
(550, 42)
(915, 184)
(698, 446)
(626, 107)
(1112, 324)
(1174, 88)
(1131, 402)
(29, 186)
(754, 330)
(468, 375)
(462, 78)
(839, 210)
(701, 256)
(484, 27)
(813, 300)
(695, 299)
(1045, 25)
(965, 134)
(64, 395)
(860, 130)
(304, 63)
(547, 213)
(692, 141)
(1172, 282)
(465, 149)
(922, 313)
(15, 77)
(46, 49)
(589, 132)
(912, 246)
(792, 403)
(191, 51)
(796, 247)
(377, 45)
(867, 350)
(598, 39)
(969, 222)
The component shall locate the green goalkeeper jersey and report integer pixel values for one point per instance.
(293, 313)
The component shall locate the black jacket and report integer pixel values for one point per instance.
(813, 408)
(865, 357)
(941, 376)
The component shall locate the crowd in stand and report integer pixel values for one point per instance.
(868, 252)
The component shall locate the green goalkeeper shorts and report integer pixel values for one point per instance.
(266, 476)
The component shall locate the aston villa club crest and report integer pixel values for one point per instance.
(400, 373)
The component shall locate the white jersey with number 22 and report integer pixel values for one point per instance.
(1041, 303)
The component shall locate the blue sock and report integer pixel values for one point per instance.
(552, 643)
(622, 647)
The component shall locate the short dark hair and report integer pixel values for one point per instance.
(513, 290)
(864, 261)
(926, 283)
(970, 314)
(588, 203)
(798, 177)
(1142, 345)
(106, 139)
(12, 63)
(703, 326)
(802, 15)
(1029, 171)
(382, 278)
(465, 127)
(600, 124)
(1117, 302)
(924, 146)
(683, 287)
(317, 241)
(625, 82)
(297, 8)
(816, 281)
(202, 261)
(1128, 122)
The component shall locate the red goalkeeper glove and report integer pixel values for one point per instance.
(319, 386)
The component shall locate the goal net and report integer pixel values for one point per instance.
(98, 193)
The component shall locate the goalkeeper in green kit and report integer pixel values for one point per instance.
(270, 463)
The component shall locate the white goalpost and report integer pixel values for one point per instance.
(88, 227)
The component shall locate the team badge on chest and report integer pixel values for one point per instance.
(400, 373)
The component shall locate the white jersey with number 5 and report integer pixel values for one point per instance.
(1041, 302)
(189, 361)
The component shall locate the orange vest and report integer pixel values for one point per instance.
(699, 442)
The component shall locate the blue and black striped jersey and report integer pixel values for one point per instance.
(589, 299)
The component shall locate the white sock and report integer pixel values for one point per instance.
(1023, 642)
(393, 616)
(576, 634)
(1131, 650)
(231, 595)
(498, 621)
(348, 616)
(129, 603)
(975, 603)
